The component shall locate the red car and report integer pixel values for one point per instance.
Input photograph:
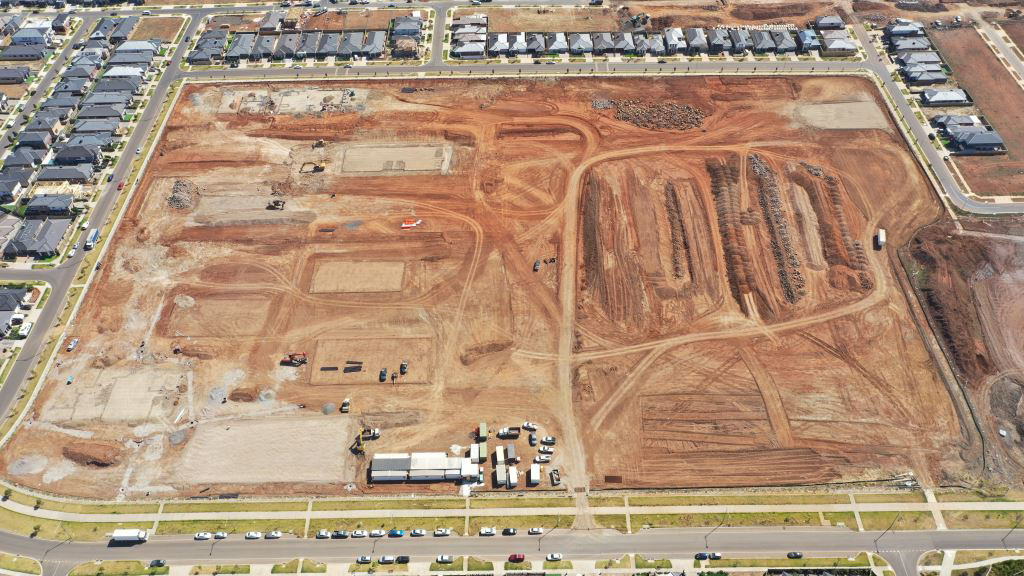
(517, 558)
(120, 185)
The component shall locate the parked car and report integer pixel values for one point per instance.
(533, 439)
(71, 253)
(203, 536)
(548, 440)
(339, 534)
(418, 532)
(138, 150)
(536, 531)
(402, 559)
(323, 534)
(546, 450)
(72, 345)
(443, 532)
(553, 557)
(364, 560)
(220, 535)
(253, 535)
(795, 555)
(509, 532)
(542, 459)
(516, 558)
(377, 533)
(700, 556)
(556, 478)
(273, 535)
(445, 559)
(120, 185)
(158, 564)
(530, 426)
(488, 531)
(396, 533)
(715, 556)
(359, 533)
(387, 559)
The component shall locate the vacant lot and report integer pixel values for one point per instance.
(548, 19)
(602, 267)
(163, 27)
(1000, 101)
(351, 20)
(1015, 30)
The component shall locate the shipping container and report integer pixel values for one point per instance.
(513, 477)
(533, 478)
(510, 454)
(499, 455)
(499, 474)
(474, 453)
(481, 431)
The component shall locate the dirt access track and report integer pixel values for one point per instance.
(725, 321)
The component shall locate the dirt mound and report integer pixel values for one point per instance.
(99, 454)
(474, 353)
(102, 362)
(867, 6)
(843, 278)
(244, 395)
(659, 115)
(183, 195)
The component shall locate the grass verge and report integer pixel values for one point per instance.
(116, 568)
(706, 520)
(914, 496)
(427, 523)
(521, 503)
(231, 526)
(518, 566)
(660, 564)
(376, 568)
(286, 567)
(982, 518)
(603, 501)
(220, 569)
(455, 566)
(22, 564)
(847, 519)
(613, 521)
(905, 521)
(968, 556)
(76, 508)
(720, 499)
(620, 564)
(236, 507)
(57, 530)
(519, 522)
(403, 504)
(560, 565)
(859, 561)
(313, 567)
(474, 564)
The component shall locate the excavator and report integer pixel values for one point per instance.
(358, 447)
(295, 359)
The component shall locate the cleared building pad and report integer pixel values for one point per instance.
(340, 276)
(372, 354)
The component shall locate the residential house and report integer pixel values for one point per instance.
(72, 87)
(404, 47)
(784, 41)
(107, 98)
(103, 28)
(351, 45)
(61, 23)
(535, 44)
(904, 27)
(924, 75)
(132, 58)
(287, 44)
(971, 143)
(951, 97)
(945, 121)
(32, 37)
(807, 40)
(38, 238)
(696, 41)
(468, 50)
(24, 157)
(909, 44)
(69, 155)
(556, 43)
(497, 44)
(94, 126)
(413, 26)
(103, 141)
(135, 46)
(36, 140)
(829, 23)
(309, 44)
(85, 70)
(741, 40)
(374, 43)
(123, 30)
(622, 42)
(912, 58)
(718, 41)
(125, 72)
(209, 48)
(16, 75)
(125, 85)
(20, 174)
(761, 42)
(78, 174)
(329, 43)
(101, 112)
(675, 41)
(24, 53)
(580, 43)
(264, 47)
(10, 190)
(837, 47)
(49, 206)
(271, 22)
(603, 42)
(42, 123)
(517, 43)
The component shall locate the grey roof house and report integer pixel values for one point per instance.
(829, 23)
(46, 205)
(675, 41)
(35, 140)
(741, 40)
(580, 43)
(556, 43)
(807, 40)
(955, 97)
(761, 42)
(15, 75)
(784, 41)
(38, 238)
(78, 174)
(718, 41)
(696, 40)
(75, 155)
(24, 157)
(602, 42)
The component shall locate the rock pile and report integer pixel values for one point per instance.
(183, 195)
(786, 258)
(659, 115)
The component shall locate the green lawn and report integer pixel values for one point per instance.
(859, 561)
(971, 496)
(730, 499)
(602, 501)
(708, 520)
(220, 569)
(116, 568)
(455, 566)
(313, 567)
(613, 521)
(660, 564)
(290, 567)
(57, 530)
(474, 564)
(914, 496)
(968, 556)
(847, 519)
(907, 520)
(982, 518)
(77, 508)
(236, 507)
(517, 566)
(620, 564)
(403, 504)
(521, 503)
(400, 523)
(21, 564)
(933, 558)
(231, 526)
(376, 567)
(519, 522)
(560, 565)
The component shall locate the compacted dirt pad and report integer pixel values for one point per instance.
(714, 315)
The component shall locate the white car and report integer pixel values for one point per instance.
(488, 531)
(323, 534)
(253, 535)
(71, 253)
(387, 559)
(549, 440)
(359, 533)
(25, 329)
(273, 535)
(377, 533)
(445, 559)
(542, 459)
(546, 450)
(203, 536)
(418, 532)
(553, 557)
(220, 535)
(531, 426)
(443, 532)
(536, 531)
(364, 560)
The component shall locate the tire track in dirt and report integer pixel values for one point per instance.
(776, 411)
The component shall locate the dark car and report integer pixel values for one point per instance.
(158, 564)
(509, 532)
(517, 558)
(402, 559)
(715, 556)
(339, 534)
(700, 556)
(795, 555)
(533, 439)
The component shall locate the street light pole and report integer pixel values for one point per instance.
(706, 547)
(893, 523)
(1003, 540)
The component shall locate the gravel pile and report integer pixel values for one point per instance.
(602, 104)
(183, 195)
(659, 115)
(812, 169)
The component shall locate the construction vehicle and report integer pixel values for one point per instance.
(295, 359)
(394, 377)
(369, 433)
(357, 447)
(383, 375)
(536, 265)
(410, 223)
(404, 367)
(345, 406)
(275, 205)
(319, 143)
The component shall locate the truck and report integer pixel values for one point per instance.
(129, 535)
(880, 239)
(92, 238)
(510, 432)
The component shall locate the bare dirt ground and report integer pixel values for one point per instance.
(163, 27)
(236, 22)
(728, 323)
(1015, 30)
(976, 68)
(14, 91)
(549, 19)
(351, 20)
(972, 287)
(702, 13)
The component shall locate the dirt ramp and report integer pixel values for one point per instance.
(97, 454)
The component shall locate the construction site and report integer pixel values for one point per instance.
(679, 282)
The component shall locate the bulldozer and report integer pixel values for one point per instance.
(275, 205)
(295, 359)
